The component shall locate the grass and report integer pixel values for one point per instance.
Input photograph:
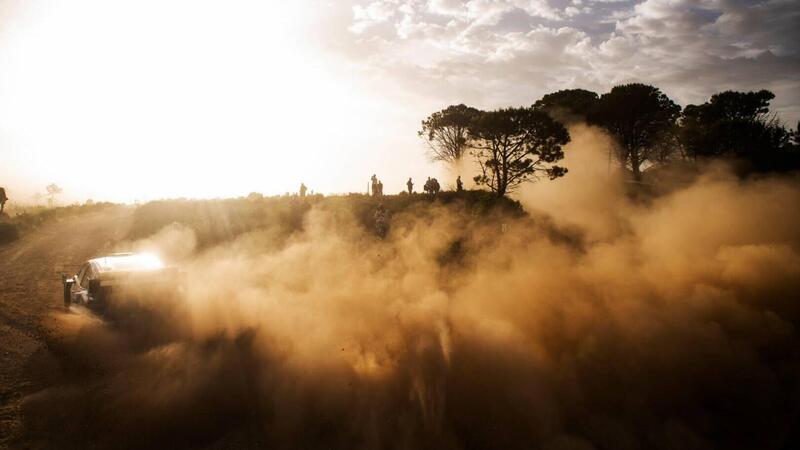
(220, 220)
(216, 221)
(19, 221)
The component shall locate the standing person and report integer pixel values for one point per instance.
(459, 184)
(380, 187)
(428, 188)
(435, 186)
(410, 186)
(3, 199)
(303, 189)
(374, 180)
(381, 217)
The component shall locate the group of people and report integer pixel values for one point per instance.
(431, 186)
(377, 185)
(381, 217)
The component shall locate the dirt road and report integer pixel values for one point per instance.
(30, 289)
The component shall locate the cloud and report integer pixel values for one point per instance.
(372, 14)
(447, 7)
(715, 44)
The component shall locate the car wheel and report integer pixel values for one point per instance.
(67, 298)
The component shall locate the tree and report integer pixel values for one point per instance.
(739, 125)
(794, 137)
(447, 131)
(52, 190)
(641, 119)
(570, 104)
(516, 145)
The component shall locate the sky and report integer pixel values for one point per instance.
(139, 100)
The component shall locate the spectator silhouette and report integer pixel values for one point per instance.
(459, 184)
(303, 189)
(435, 186)
(374, 180)
(381, 221)
(3, 199)
(410, 185)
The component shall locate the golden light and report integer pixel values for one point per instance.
(151, 99)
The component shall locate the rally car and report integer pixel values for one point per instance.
(121, 276)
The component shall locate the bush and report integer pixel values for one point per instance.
(8, 232)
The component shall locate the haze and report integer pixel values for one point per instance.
(127, 101)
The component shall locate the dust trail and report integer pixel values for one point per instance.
(669, 323)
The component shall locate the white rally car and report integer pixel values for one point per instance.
(104, 280)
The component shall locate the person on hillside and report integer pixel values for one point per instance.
(459, 184)
(374, 181)
(380, 187)
(3, 199)
(410, 186)
(381, 221)
(303, 189)
(435, 186)
(428, 188)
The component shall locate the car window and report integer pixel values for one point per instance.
(87, 274)
(81, 273)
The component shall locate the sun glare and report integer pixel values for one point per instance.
(156, 99)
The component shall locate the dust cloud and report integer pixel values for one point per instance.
(598, 321)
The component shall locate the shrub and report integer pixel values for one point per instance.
(8, 232)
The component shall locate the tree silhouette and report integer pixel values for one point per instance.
(794, 136)
(568, 104)
(516, 145)
(739, 125)
(641, 119)
(447, 131)
(52, 190)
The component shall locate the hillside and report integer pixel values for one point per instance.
(216, 221)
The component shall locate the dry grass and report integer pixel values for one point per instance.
(20, 220)
(217, 221)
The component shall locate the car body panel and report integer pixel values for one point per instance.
(129, 274)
